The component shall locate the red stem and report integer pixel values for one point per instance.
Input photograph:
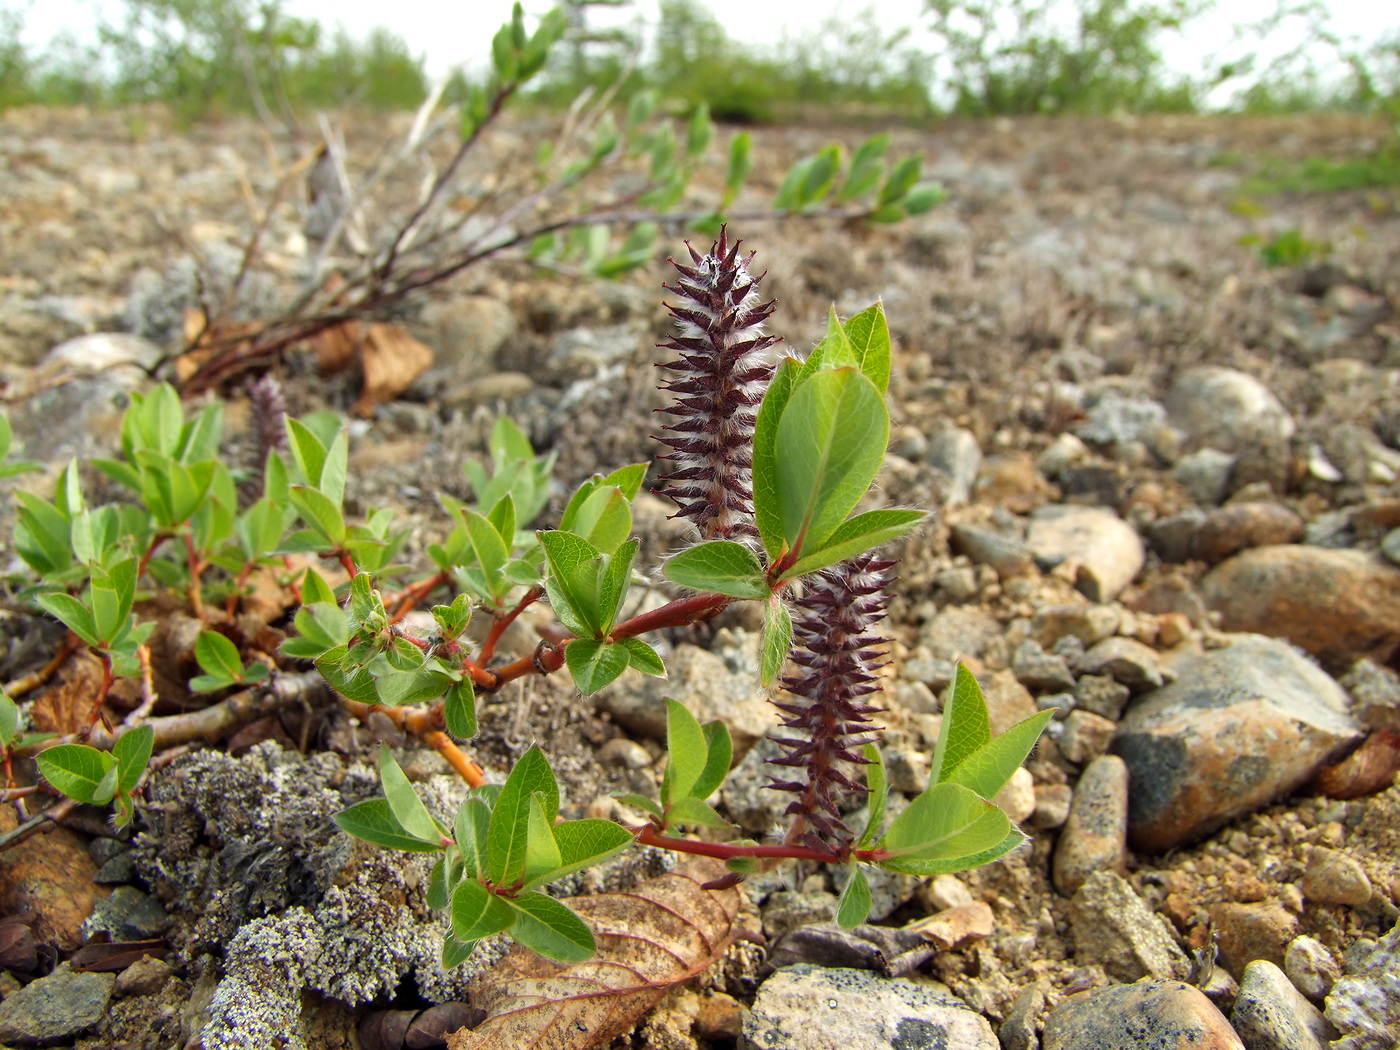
(415, 593)
(347, 561)
(196, 567)
(647, 835)
(488, 647)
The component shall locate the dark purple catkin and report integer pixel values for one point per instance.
(721, 380)
(835, 645)
(268, 414)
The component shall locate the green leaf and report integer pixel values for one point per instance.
(113, 592)
(924, 197)
(691, 810)
(629, 479)
(320, 626)
(218, 656)
(541, 851)
(510, 819)
(346, 678)
(740, 162)
(643, 657)
(830, 445)
(42, 535)
(869, 335)
(866, 168)
(545, 926)
(76, 616)
(452, 619)
(459, 709)
(404, 803)
(106, 787)
(617, 575)
(374, 822)
(9, 719)
(308, 453)
(595, 664)
(854, 906)
(878, 794)
(471, 828)
(78, 771)
(717, 760)
(575, 582)
(777, 639)
(332, 483)
(455, 952)
(411, 687)
(855, 535)
(902, 179)
(314, 588)
(719, 567)
(646, 805)
(603, 516)
(689, 752)
(133, 753)
(502, 517)
(948, 822)
(834, 351)
(490, 550)
(584, 843)
(988, 768)
(439, 895)
(965, 727)
(318, 511)
(767, 514)
(477, 912)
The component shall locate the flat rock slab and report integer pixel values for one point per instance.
(1163, 1015)
(1240, 727)
(1336, 604)
(1114, 928)
(1107, 550)
(60, 1006)
(812, 1008)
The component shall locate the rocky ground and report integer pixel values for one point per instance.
(1165, 479)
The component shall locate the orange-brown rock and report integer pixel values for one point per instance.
(1336, 604)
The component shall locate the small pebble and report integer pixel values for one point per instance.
(1311, 968)
(1095, 835)
(1270, 1014)
(1052, 803)
(1332, 877)
(1163, 1015)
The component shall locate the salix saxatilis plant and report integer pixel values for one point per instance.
(769, 461)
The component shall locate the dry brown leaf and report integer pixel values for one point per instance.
(199, 335)
(1368, 769)
(335, 346)
(393, 359)
(651, 938)
(64, 707)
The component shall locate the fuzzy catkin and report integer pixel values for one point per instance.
(835, 644)
(722, 375)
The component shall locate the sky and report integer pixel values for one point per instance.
(447, 33)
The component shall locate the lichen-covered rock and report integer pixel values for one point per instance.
(1164, 1015)
(810, 1008)
(1365, 1006)
(1239, 727)
(1270, 1014)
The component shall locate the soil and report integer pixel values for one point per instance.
(1108, 252)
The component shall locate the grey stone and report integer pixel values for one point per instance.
(745, 796)
(1095, 834)
(1375, 694)
(1085, 736)
(466, 333)
(146, 976)
(1088, 623)
(1114, 928)
(704, 683)
(958, 631)
(1226, 409)
(61, 1006)
(1126, 661)
(955, 451)
(1018, 1032)
(1390, 546)
(1005, 553)
(1117, 418)
(907, 770)
(786, 910)
(1239, 727)
(1365, 1004)
(958, 584)
(810, 1008)
(1039, 670)
(1052, 806)
(1159, 1013)
(1206, 475)
(931, 671)
(1065, 451)
(1107, 550)
(128, 915)
(1270, 1014)
(1174, 537)
(1334, 877)
(1100, 695)
(1310, 967)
